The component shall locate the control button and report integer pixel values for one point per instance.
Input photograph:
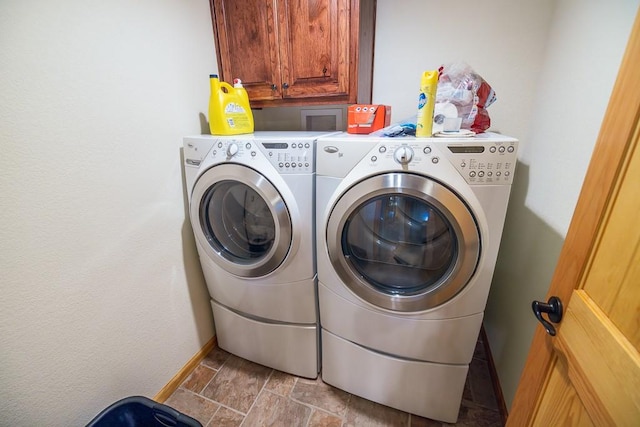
(498, 173)
(472, 174)
(293, 165)
(253, 154)
(248, 145)
(374, 158)
(214, 152)
(501, 149)
(299, 165)
(306, 165)
(286, 165)
(489, 173)
(427, 150)
(492, 149)
(507, 173)
(382, 149)
(463, 164)
(281, 165)
(294, 145)
(270, 153)
(220, 144)
(481, 174)
(306, 145)
(511, 149)
(435, 160)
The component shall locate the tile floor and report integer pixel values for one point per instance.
(225, 390)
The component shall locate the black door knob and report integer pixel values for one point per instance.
(553, 308)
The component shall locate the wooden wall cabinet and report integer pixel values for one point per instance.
(296, 52)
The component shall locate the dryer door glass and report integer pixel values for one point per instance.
(403, 242)
(244, 224)
(401, 245)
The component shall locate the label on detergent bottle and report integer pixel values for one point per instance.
(236, 116)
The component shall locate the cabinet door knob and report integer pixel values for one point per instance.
(324, 72)
(285, 86)
(274, 87)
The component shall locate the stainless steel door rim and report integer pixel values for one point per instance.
(282, 230)
(443, 200)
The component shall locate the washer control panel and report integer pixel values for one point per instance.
(479, 162)
(290, 156)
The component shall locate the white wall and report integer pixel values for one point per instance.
(552, 64)
(102, 295)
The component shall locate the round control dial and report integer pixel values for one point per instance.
(403, 155)
(232, 149)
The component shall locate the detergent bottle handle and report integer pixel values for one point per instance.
(228, 88)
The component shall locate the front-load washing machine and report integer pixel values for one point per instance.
(251, 201)
(408, 231)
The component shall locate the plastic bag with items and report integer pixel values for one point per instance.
(463, 92)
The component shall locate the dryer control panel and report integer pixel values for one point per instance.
(479, 162)
(491, 162)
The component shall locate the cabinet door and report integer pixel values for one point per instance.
(247, 47)
(318, 49)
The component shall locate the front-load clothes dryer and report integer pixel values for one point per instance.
(408, 231)
(251, 200)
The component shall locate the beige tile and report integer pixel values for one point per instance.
(365, 413)
(481, 385)
(226, 418)
(193, 405)
(472, 415)
(281, 383)
(323, 419)
(198, 379)
(237, 383)
(479, 352)
(274, 410)
(416, 421)
(321, 395)
(216, 358)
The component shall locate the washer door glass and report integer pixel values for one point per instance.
(244, 224)
(403, 242)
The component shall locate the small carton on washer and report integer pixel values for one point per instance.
(367, 118)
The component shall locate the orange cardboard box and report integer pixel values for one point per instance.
(367, 118)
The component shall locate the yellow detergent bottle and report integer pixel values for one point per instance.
(229, 109)
(426, 103)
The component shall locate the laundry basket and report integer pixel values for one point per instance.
(139, 411)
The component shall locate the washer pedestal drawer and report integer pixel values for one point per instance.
(285, 347)
(430, 390)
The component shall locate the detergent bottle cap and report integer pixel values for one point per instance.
(237, 83)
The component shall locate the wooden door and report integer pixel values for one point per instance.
(589, 374)
(247, 46)
(318, 48)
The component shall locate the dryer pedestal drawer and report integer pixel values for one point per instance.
(431, 390)
(285, 347)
